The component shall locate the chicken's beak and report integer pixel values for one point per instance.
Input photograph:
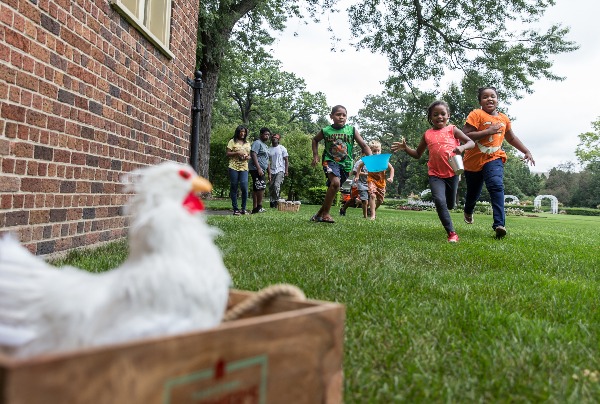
(200, 184)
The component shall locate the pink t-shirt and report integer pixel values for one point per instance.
(440, 143)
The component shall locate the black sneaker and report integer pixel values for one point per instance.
(342, 212)
(273, 204)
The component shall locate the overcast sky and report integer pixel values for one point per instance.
(547, 121)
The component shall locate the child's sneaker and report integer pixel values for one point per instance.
(342, 212)
(500, 231)
(468, 218)
(452, 237)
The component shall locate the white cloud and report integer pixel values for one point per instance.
(548, 121)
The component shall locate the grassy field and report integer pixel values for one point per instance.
(484, 320)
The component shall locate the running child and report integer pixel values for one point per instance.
(485, 163)
(443, 141)
(359, 191)
(336, 160)
(376, 181)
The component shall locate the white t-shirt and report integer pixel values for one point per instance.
(276, 154)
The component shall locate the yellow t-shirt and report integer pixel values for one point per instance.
(490, 147)
(236, 163)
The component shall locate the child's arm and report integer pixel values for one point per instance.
(361, 142)
(468, 143)
(474, 134)
(516, 142)
(315, 147)
(358, 170)
(391, 177)
(415, 153)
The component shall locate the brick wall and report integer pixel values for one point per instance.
(84, 98)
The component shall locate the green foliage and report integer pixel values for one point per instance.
(587, 191)
(581, 211)
(561, 182)
(518, 180)
(218, 167)
(258, 93)
(424, 40)
(316, 195)
(302, 175)
(588, 149)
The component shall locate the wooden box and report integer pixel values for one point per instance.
(289, 351)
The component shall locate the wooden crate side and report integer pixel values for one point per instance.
(293, 356)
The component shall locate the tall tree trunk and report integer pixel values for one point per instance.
(210, 76)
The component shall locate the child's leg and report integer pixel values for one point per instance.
(364, 208)
(438, 192)
(451, 191)
(332, 190)
(474, 185)
(372, 205)
(493, 175)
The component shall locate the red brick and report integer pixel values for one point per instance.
(9, 184)
(4, 147)
(13, 112)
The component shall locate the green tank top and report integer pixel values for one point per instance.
(338, 145)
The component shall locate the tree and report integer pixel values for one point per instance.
(244, 20)
(562, 182)
(426, 39)
(518, 180)
(587, 193)
(258, 93)
(588, 149)
(423, 40)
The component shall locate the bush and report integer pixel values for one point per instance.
(582, 211)
(316, 195)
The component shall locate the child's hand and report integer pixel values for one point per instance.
(528, 158)
(399, 145)
(315, 161)
(458, 150)
(390, 179)
(494, 128)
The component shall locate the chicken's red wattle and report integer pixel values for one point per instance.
(192, 203)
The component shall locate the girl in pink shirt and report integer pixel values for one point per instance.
(443, 141)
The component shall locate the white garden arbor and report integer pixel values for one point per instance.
(537, 202)
(511, 199)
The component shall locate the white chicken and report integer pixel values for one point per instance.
(173, 280)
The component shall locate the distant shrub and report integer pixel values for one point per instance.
(316, 195)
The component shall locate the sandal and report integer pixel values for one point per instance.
(320, 219)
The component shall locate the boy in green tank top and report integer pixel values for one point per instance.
(336, 160)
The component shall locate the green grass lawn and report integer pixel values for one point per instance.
(483, 320)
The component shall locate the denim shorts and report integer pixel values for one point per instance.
(335, 169)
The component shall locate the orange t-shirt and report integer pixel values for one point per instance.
(440, 143)
(490, 147)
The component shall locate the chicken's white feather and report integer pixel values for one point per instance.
(173, 280)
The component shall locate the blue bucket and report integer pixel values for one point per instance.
(376, 162)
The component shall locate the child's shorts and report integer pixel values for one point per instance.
(361, 194)
(335, 169)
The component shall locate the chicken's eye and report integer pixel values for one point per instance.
(184, 174)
